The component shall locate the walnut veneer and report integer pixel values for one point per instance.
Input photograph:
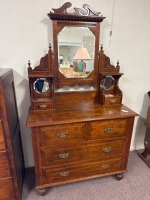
(11, 158)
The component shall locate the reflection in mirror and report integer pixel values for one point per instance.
(41, 85)
(76, 88)
(107, 82)
(76, 47)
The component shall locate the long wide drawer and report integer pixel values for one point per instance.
(79, 172)
(63, 133)
(108, 128)
(98, 152)
(4, 165)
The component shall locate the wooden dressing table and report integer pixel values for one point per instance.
(77, 134)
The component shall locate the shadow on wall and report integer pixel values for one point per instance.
(23, 103)
(140, 127)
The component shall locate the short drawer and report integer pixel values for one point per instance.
(4, 165)
(42, 106)
(112, 100)
(108, 128)
(80, 172)
(7, 189)
(99, 152)
(64, 133)
(2, 140)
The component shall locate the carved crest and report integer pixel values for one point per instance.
(86, 13)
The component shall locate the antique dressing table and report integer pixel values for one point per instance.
(80, 129)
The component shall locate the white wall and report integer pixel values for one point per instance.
(26, 32)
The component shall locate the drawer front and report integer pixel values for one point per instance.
(108, 128)
(2, 140)
(42, 106)
(4, 165)
(6, 189)
(62, 134)
(79, 172)
(99, 152)
(112, 100)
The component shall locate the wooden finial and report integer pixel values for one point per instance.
(117, 62)
(50, 46)
(29, 64)
(101, 46)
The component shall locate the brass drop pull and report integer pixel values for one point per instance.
(104, 166)
(112, 101)
(62, 135)
(43, 106)
(63, 155)
(106, 149)
(108, 130)
(64, 173)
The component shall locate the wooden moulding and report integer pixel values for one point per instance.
(90, 14)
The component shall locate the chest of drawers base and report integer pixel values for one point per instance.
(75, 151)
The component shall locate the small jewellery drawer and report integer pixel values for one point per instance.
(42, 106)
(80, 171)
(63, 133)
(4, 165)
(2, 141)
(98, 152)
(112, 100)
(108, 128)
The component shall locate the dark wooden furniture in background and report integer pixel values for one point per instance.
(79, 137)
(145, 155)
(11, 157)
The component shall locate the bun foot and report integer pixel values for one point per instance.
(42, 191)
(119, 176)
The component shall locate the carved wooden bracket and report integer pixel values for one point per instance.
(45, 66)
(104, 64)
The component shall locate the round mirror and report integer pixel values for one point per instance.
(107, 82)
(41, 85)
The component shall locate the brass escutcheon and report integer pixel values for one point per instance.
(112, 101)
(107, 149)
(108, 130)
(64, 173)
(104, 166)
(62, 135)
(63, 155)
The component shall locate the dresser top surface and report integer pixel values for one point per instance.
(78, 113)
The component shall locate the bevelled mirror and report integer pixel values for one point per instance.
(41, 85)
(76, 49)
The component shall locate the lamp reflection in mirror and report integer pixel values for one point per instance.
(82, 54)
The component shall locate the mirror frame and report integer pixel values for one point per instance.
(60, 19)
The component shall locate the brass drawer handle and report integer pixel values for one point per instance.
(63, 155)
(112, 101)
(108, 130)
(104, 166)
(43, 106)
(64, 173)
(62, 135)
(106, 149)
